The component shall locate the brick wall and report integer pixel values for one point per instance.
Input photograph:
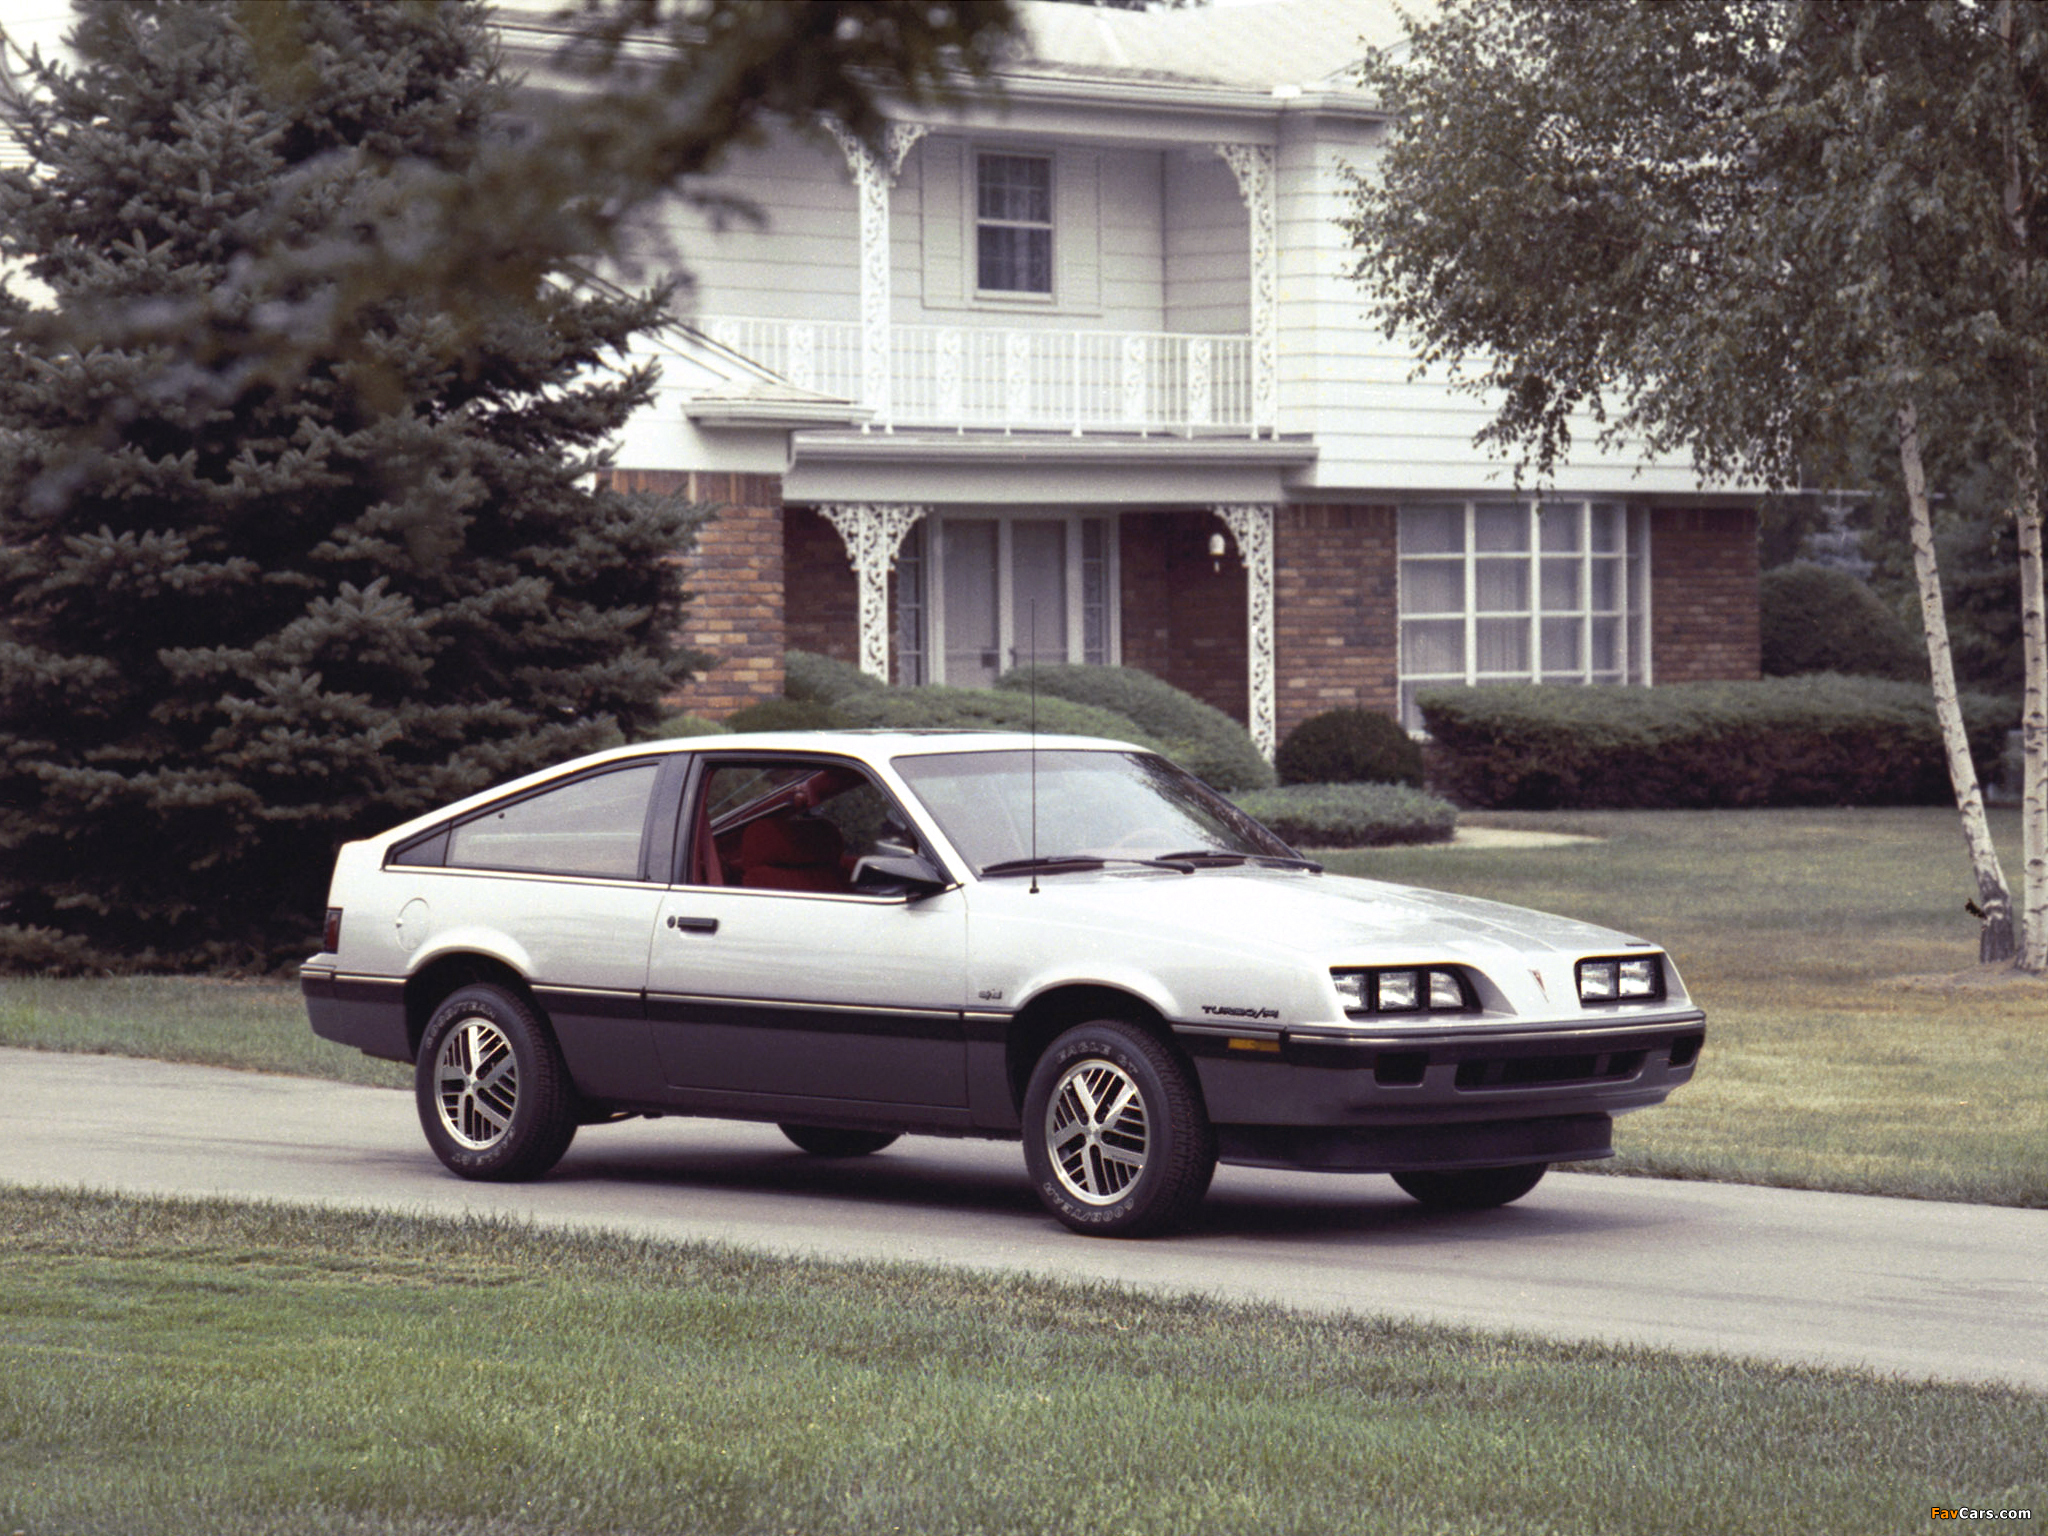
(1335, 611)
(1703, 595)
(824, 597)
(735, 580)
(1183, 617)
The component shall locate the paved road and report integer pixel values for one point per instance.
(1917, 1288)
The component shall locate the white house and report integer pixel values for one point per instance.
(1087, 350)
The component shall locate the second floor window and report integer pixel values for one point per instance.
(1013, 223)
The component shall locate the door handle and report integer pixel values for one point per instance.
(694, 924)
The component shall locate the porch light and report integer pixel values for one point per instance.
(1217, 550)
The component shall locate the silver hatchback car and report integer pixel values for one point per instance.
(862, 935)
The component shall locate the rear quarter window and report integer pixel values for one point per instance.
(591, 826)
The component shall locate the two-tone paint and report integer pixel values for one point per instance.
(925, 1012)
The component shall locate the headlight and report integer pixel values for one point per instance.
(1405, 989)
(1621, 979)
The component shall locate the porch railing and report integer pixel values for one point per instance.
(953, 376)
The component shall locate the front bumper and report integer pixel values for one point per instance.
(1366, 1100)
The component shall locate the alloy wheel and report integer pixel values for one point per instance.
(1096, 1131)
(476, 1084)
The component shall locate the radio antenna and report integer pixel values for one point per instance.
(1034, 746)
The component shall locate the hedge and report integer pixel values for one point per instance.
(1813, 618)
(815, 679)
(1818, 740)
(1200, 737)
(986, 709)
(1349, 746)
(786, 714)
(685, 725)
(1351, 815)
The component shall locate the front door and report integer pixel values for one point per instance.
(774, 976)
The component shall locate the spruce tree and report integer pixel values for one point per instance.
(247, 612)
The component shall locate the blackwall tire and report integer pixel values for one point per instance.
(832, 1141)
(493, 1096)
(1115, 1136)
(1472, 1189)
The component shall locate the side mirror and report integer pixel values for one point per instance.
(915, 874)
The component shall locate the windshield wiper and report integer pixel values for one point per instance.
(1062, 863)
(1217, 858)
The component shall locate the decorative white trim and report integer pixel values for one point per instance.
(1131, 374)
(1252, 165)
(803, 356)
(946, 374)
(1252, 528)
(872, 179)
(873, 533)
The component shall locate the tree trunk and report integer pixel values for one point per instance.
(2033, 934)
(1994, 899)
(2033, 954)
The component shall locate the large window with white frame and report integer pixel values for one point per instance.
(1522, 591)
(979, 594)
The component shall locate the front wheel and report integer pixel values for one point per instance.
(494, 1097)
(1115, 1136)
(1472, 1189)
(831, 1141)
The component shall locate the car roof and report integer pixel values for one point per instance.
(879, 743)
(874, 747)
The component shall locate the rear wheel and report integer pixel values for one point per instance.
(830, 1141)
(493, 1096)
(1115, 1136)
(1472, 1189)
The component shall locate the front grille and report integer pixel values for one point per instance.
(1483, 1073)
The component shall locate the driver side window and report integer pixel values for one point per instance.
(791, 825)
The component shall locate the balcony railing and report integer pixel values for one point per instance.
(992, 378)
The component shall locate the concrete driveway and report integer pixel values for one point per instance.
(1915, 1288)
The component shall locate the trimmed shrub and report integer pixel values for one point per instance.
(816, 679)
(1818, 740)
(1349, 746)
(786, 715)
(685, 725)
(1200, 737)
(1813, 618)
(1351, 815)
(986, 709)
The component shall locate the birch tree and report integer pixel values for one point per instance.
(1772, 232)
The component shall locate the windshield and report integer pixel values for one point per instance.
(1090, 805)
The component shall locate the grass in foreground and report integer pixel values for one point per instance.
(1794, 928)
(175, 1366)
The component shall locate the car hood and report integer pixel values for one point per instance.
(1314, 914)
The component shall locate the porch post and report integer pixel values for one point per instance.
(873, 533)
(1252, 164)
(873, 176)
(1252, 527)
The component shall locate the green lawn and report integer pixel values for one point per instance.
(1823, 1069)
(259, 1026)
(202, 1367)
(1823, 944)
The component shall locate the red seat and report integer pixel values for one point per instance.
(792, 853)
